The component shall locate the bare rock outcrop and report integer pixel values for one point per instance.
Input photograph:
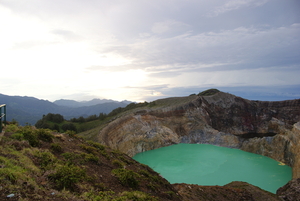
(290, 191)
(283, 147)
(262, 127)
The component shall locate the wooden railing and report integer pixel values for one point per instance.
(2, 115)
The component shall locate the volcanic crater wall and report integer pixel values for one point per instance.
(262, 127)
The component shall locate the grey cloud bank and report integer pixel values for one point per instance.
(144, 50)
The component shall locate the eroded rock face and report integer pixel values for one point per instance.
(266, 128)
(283, 147)
(290, 191)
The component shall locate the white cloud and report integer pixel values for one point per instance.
(67, 35)
(231, 5)
(169, 25)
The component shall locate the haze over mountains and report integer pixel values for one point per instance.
(29, 110)
(73, 103)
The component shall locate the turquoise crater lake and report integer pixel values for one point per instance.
(206, 164)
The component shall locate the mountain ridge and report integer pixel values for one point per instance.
(26, 109)
(95, 101)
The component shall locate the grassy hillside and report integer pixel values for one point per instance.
(37, 164)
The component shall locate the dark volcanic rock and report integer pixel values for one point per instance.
(237, 191)
(290, 191)
(236, 115)
(256, 192)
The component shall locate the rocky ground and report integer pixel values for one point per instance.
(241, 191)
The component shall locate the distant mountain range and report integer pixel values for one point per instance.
(73, 103)
(29, 110)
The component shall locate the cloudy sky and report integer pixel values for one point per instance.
(145, 50)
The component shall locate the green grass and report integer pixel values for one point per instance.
(11, 171)
(66, 176)
(44, 135)
(124, 196)
(71, 157)
(208, 92)
(96, 145)
(16, 168)
(126, 177)
(55, 147)
(173, 101)
(136, 196)
(91, 158)
(46, 159)
(118, 163)
(11, 128)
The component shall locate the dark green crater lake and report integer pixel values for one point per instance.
(205, 164)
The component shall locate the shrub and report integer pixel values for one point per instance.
(102, 116)
(45, 159)
(126, 177)
(69, 126)
(118, 163)
(152, 104)
(44, 135)
(127, 161)
(56, 147)
(99, 196)
(29, 135)
(208, 92)
(17, 136)
(96, 145)
(55, 127)
(136, 196)
(89, 149)
(91, 118)
(67, 176)
(56, 118)
(11, 128)
(11, 172)
(145, 173)
(105, 154)
(71, 157)
(170, 194)
(71, 133)
(8, 174)
(91, 157)
(42, 123)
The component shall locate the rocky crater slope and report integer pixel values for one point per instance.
(267, 128)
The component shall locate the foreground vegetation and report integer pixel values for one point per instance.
(39, 164)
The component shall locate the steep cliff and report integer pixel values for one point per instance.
(266, 128)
